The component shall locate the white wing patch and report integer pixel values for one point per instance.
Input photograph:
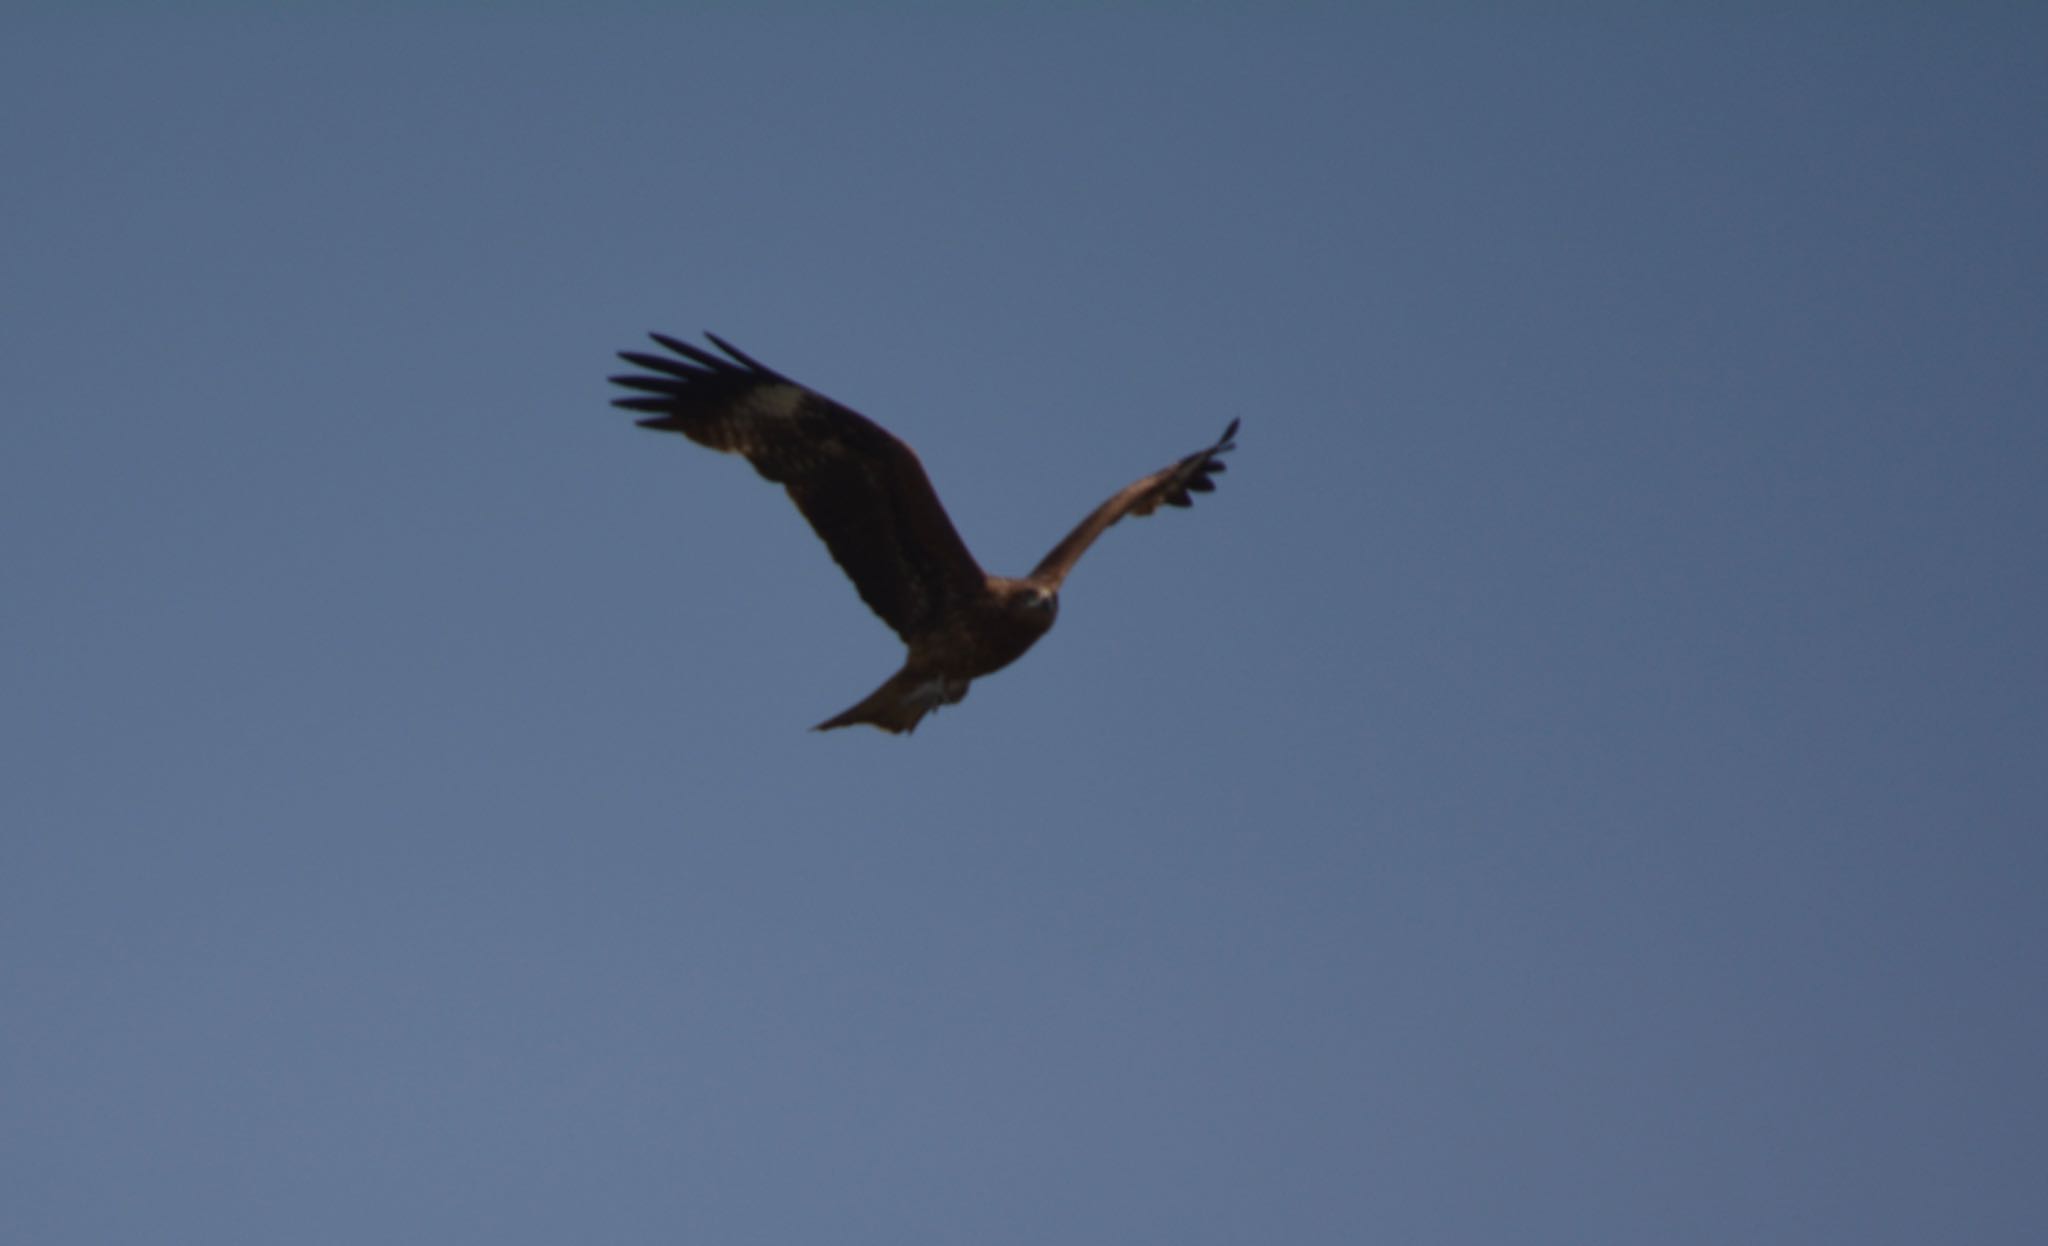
(775, 402)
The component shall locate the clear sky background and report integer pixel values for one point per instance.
(1582, 779)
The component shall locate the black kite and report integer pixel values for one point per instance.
(867, 496)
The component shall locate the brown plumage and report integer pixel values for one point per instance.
(867, 496)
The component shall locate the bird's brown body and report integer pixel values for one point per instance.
(866, 495)
(985, 635)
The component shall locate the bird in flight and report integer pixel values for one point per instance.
(867, 497)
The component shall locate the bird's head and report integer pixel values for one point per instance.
(1039, 601)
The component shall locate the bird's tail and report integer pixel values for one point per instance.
(902, 700)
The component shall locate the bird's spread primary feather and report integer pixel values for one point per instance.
(867, 496)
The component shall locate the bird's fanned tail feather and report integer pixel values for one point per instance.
(900, 703)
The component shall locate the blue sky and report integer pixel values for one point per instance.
(1581, 779)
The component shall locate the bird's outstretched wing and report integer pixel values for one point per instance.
(1169, 485)
(864, 492)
